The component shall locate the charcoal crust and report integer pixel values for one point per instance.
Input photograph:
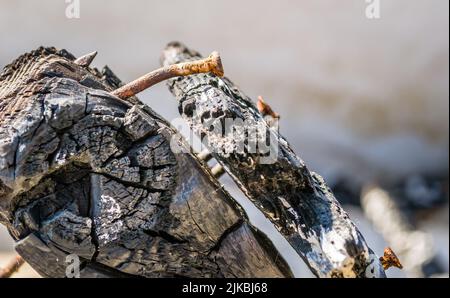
(84, 173)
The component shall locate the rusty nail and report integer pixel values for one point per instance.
(265, 109)
(390, 259)
(211, 64)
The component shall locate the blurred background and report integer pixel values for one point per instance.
(365, 102)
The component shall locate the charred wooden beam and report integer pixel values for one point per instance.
(83, 173)
(274, 178)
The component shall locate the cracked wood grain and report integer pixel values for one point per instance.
(82, 172)
(296, 200)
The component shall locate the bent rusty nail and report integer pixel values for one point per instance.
(211, 64)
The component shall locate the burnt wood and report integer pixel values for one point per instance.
(82, 172)
(296, 200)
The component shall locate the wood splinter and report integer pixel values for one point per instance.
(211, 64)
(86, 60)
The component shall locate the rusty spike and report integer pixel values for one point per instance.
(212, 64)
(265, 109)
(390, 259)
